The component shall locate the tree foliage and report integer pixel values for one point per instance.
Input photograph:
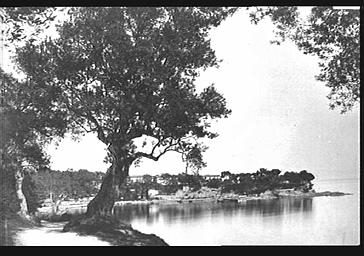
(170, 184)
(27, 123)
(194, 182)
(24, 23)
(265, 180)
(333, 35)
(128, 72)
(241, 183)
(71, 184)
(194, 159)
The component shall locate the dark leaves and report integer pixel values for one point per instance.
(131, 71)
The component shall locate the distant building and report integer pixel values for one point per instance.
(161, 181)
(136, 178)
(210, 177)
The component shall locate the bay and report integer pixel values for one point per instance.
(287, 221)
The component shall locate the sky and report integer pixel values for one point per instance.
(280, 114)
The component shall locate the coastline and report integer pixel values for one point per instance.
(196, 197)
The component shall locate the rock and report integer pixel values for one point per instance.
(229, 200)
(65, 217)
(328, 193)
(269, 194)
(179, 193)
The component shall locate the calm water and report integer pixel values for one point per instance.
(308, 221)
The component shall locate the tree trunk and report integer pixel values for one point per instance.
(109, 192)
(19, 177)
(56, 204)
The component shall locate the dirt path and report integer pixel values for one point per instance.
(50, 234)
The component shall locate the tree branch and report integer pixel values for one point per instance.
(166, 149)
(100, 133)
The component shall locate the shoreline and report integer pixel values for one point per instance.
(192, 198)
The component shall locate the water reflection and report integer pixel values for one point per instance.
(196, 211)
(288, 221)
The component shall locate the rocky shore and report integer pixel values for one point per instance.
(208, 194)
(202, 195)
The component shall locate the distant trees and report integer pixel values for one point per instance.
(82, 183)
(293, 179)
(165, 183)
(241, 183)
(245, 184)
(194, 182)
(169, 183)
(142, 187)
(213, 183)
(264, 180)
(70, 184)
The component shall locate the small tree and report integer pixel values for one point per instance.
(193, 159)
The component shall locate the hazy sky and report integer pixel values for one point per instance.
(280, 115)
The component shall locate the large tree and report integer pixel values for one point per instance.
(27, 123)
(128, 75)
(333, 35)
